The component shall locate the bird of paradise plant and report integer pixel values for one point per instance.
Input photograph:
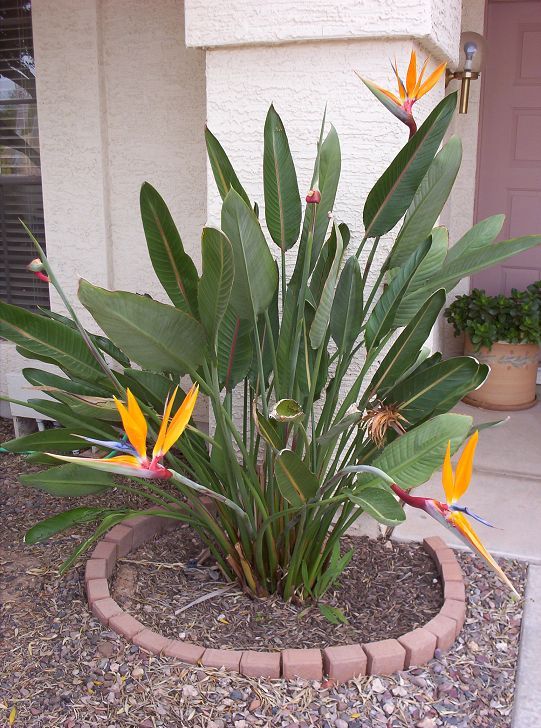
(450, 514)
(322, 393)
(409, 92)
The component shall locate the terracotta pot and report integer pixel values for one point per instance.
(513, 372)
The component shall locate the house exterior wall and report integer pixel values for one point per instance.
(121, 100)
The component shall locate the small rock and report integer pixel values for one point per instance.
(236, 695)
(189, 691)
(399, 691)
(254, 705)
(106, 649)
(378, 686)
(426, 723)
(388, 708)
(137, 672)
(339, 723)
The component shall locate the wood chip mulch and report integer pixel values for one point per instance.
(60, 667)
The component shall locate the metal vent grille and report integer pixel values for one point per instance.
(20, 176)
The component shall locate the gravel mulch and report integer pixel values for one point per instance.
(387, 590)
(60, 667)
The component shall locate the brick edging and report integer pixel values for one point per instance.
(338, 663)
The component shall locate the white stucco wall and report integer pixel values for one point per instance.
(121, 100)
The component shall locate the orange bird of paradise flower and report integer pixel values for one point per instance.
(135, 461)
(415, 87)
(450, 514)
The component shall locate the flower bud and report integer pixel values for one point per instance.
(313, 197)
(35, 266)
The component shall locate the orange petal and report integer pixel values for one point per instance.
(468, 535)
(432, 80)
(401, 87)
(181, 419)
(411, 76)
(134, 423)
(420, 79)
(464, 468)
(165, 423)
(447, 476)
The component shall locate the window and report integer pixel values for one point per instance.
(20, 174)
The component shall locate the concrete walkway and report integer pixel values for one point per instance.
(505, 488)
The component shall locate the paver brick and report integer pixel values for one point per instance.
(229, 659)
(151, 641)
(307, 664)
(419, 645)
(185, 651)
(126, 625)
(122, 536)
(95, 569)
(433, 544)
(344, 662)
(104, 609)
(97, 589)
(451, 572)
(106, 550)
(455, 609)
(444, 629)
(260, 664)
(454, 590)
(384, 657)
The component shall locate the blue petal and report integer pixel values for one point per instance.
(466, 510)
(111, 445)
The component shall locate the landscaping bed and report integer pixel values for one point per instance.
(60, 667)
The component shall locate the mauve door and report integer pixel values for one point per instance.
(509, 177)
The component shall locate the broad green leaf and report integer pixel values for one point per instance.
(318, 329)
(420, 395)
(381, 319)
(101, 342)
(40, 458)
(352, 417)
(405, 349)
(62, 521)
(255, 272)
(347, 308)
(36, 357)
(430, 267)
(99, 408)
(152, 334)
(330, 164)
(287, 410)
(47, 381)
(481, 234)
(68, 481)
(223, 172)
(57, 439)
(428, 201)
(235, 349)
(380, 504)
(217, 279)
(150, 387)
(394, 191)
(480, 376)
(332, 614)
(296, 482)
(453, 272)
(282, 200)
(412, 458)
(267, 430)
(50, 339)
(78, 423)
(173, 266)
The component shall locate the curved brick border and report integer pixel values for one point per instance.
(338, 663)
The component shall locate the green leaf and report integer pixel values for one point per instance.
(57, 439)
(352, 417)
(267, 430)
(234, 349)
(296, 482)
(68, 481)
(428, 201)
(333, 614)
(330, 165)
(152, 334)
(394, 191)
(256, 277)
(217, 279)
(347, 308)
(318, 330)
(47, 381)
(283, 211)
(477, 237)
(62, 521)
(452, 272)
(287, 410)
(49, 339)
(380, 504)
(381, 319)
(420, 395)
(173, 266)
(150, 387)
(78, 424)
(223, 172)
(412, 458)
(405, 350)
